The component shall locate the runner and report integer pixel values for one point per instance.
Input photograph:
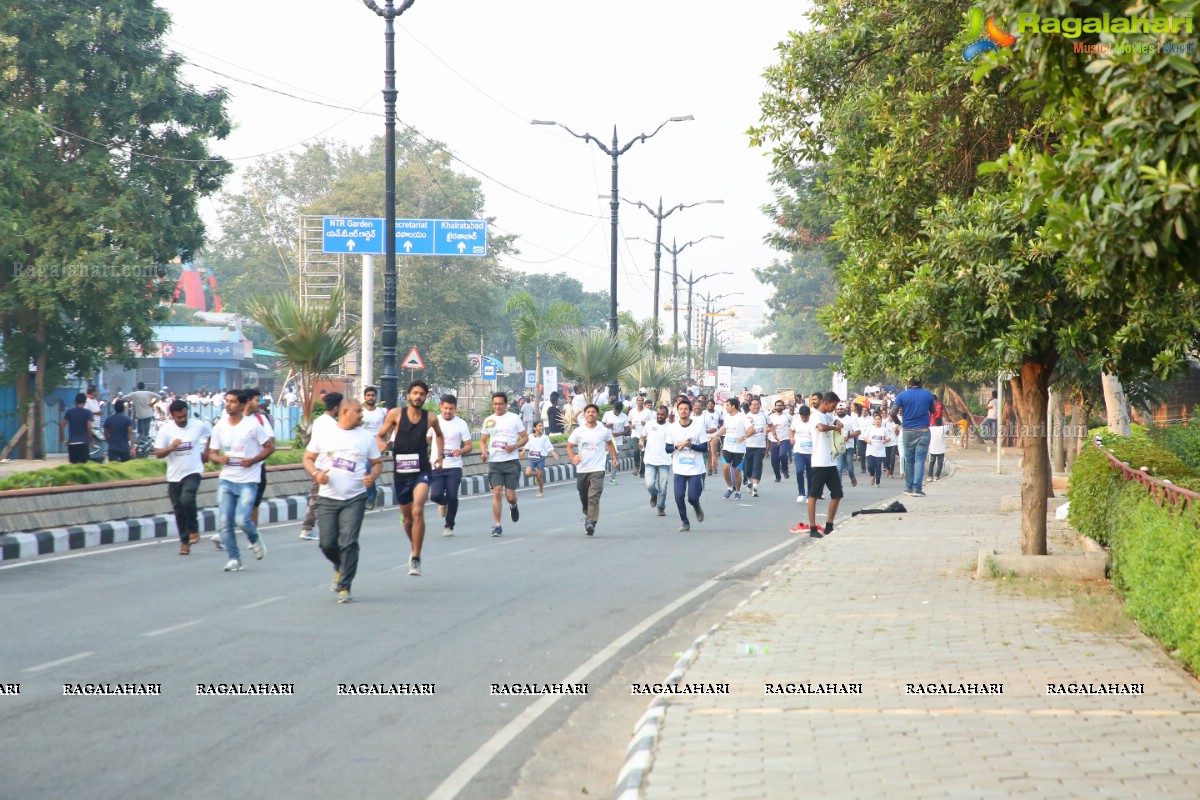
(345, 461)
(443, 490)
(501, 440)
(779, 442)
(143, 408)
(712, 419)
(372, 420)
(734, 430)
(414, 472)
(656, 461)
(850, 432)
(639, 417)
(824, 469)
(182, 443)
(254, 409)
(536, 449)
(592, 440)
(329, 419)
(687, 442)
(246, 444)
(756, 444)
(801, 440)
(617, 421)
(877, 437)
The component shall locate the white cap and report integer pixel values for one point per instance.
(841, 405)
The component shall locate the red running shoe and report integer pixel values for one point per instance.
(800, 527)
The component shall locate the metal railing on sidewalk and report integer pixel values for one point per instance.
(1164, 492)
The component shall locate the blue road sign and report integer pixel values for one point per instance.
(414, 237)
(489, 372)
(531, 379)
(355, 235)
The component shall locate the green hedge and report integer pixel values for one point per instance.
(84, 474)
(1182, 440)
(1156, 551)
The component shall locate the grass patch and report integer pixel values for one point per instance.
(1095, 606)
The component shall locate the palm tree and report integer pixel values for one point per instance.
(535, 327)
(593, 358)
(655, 373)
(310, 339)
(640, 335)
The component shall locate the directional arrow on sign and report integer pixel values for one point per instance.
(407, 246)
(350, 245)
(462, 246)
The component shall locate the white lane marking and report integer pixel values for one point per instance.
(32, 562)
(173, 628)
(459, 552)
(59, 662)
(262, 602)
(466, 772)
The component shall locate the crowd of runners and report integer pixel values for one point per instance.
(674, 447)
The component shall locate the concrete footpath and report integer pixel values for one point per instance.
(838, 674)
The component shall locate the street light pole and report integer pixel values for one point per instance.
(688, 335)
(388, 378)
(675, 251)
(615, 152)
(659, 216)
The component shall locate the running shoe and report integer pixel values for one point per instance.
(662, 512)
(685, 527)
(514, 512)
(613, 481)
(737, 495)
(216, 540)
(801, 498)
(799, 527)
(919, 494)
(589, 528)
(854, 481)
(447, 531)
(728, 493)
(344, 596)
(828, 529)
(754, 491)
(259, 548)
(817, 533)
(699, 512)
(414, 566)
(539, 494)
(234, 565)
(184, 548)
(497, 531)
(653, 500)
(337, 576)
(310, 535)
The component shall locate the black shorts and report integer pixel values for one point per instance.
(504, 473)
(405, 483)
(262, 488)
(822, 477)
(734, 460)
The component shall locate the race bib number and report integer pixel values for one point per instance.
(687, 459)
(407, 463)
(534, 454)
(343, 464)
(183, 447)
(237, 456)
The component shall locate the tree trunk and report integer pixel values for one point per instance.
(1114, 404)
(537, 397)
(38, 429)
(1060, 431)
(1078, 428)
(1030, 393)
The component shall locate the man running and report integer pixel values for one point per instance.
(327, 420)
(182, 442)
(712, 419)
(639, 417)
(656, 461)
(414, 472)
(456, 435)
(778, 439)
(617, 421)
(500, 443)
(824, 468)
(687, 442)
(756, 444)
(372, 421)
(344, 461)
(735, 430)
(246, 444)
(591, 439)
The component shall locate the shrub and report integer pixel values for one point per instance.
(84, 474)
(1182, 440)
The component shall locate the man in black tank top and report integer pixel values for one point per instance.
(413, 470)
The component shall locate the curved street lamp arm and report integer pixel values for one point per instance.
(389, 12)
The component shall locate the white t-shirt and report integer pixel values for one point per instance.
(347, 455)
(373, 420)
(735, 428)
(991, 408)
(185, 460)
(93, 405)
(590, 443)
(878, 439)
(578, 403)
(688, 461)
(502, 431)
(779, 426)
(539, 446)
(638, 420)
(619, 423)
(821, 440)
(937, 440)
(803, 430)
(759, 422)
(712, 420)
(527, 416)
(321, 423)
(241, 441)
(455, 433)
(655, 441)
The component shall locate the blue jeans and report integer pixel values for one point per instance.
(656, 482)
(875, 468)
(236, 503)
(916, 448)
(781, 458)
(803, 464)
(692, 486)
(936, 462)
(845, 462)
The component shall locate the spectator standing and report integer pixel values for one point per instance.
(916, 404)
(937, 449)
(143, 408)
(76, 428)
(119, 433)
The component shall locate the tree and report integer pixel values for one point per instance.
(656, 373)
(309, 339)
(534, 326)
(945, 256)
(106, 156)
(593, 358)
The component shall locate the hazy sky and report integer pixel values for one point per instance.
(473, 73)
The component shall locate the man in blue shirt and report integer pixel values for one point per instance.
(118, 432)
(918, 405)
(76, 429)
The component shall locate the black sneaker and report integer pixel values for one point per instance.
(685, 527)
(589, 528)
(828, 528)
(514, 512)
(699, 512)
(497, 531)
(662, 512)
(815, 534)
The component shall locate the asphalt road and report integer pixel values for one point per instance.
(543, 604)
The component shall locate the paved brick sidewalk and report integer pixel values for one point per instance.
(887, 601)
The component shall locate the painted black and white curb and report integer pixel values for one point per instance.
(28, 544)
